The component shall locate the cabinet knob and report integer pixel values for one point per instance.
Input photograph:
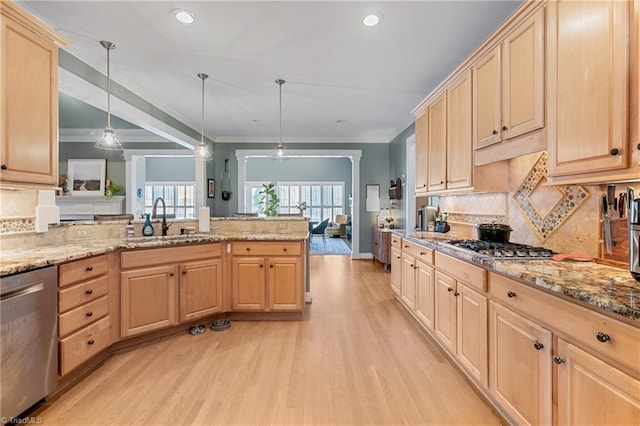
(397, 257)
(262, 266)
(184, 272)
(284, 249)
(449, 289)
(638, 146)
(558, 359)
(89, 268)
(270, 266)
(248, 249)
(3, 167)
(505, 128)
(456, 294)
(406, 246)
(614, 152)
(422, 253)
(603, 337)
(91, 342)
(171, 274)
(511, 294)
(88, 291)
(538, 345)
(441, 182)
(89, 314)
(495, 132)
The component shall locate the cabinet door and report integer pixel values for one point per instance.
(29, 106)
(248, 284)
(396, 270)
(634, 112)
(486, 100)
(520, 378)
(445, 310)
(376, 239)
(472, 333)
(148, 297)
(523, 78)
(588, 86)
(422, 145)
(408, 287)
(592, 392)
(459, 144)
(285, 284)
(200, 289)
(437, 131)
(424, 294)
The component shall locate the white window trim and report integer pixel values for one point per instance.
(247, 202)
(353, 154)
(317, 183)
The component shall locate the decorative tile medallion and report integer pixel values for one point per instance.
(17, 225)
(545, 219)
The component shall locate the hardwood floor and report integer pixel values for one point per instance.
(357, 359)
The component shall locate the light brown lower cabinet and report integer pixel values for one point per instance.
(445, 310)
(520, 366)
(200, 289)
(408, 285)
(396, 270)
(590, 391)
(424, 276)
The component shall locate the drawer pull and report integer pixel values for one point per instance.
(511, 294)
(449, 289)
(91, 342)
(397, 257)
(495, 132)
(558, 359)
(89, 268)
(171, 274)
(603, 337)
(505, 128)
(248, 249)
(262, 266)
(422, 253)
(89, 314)
(284, 249)
(270, 266)
(456, 294)
(614, 152)
(3, 167)
(406, 246)
(88, 291)
(538, 345)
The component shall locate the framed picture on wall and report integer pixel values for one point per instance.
(211, 188)
(87, 177)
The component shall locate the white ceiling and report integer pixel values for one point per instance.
(335, 67)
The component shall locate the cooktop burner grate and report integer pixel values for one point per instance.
(503, 251)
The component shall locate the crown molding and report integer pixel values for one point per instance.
(124, 135)
(296, 140)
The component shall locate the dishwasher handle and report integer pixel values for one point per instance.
(23, 291)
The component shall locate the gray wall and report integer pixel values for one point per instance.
(167, 169)
(398, 168)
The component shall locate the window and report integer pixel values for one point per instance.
(324, 200)
(179, 198)
(251, 190)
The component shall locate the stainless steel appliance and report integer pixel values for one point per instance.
(503, 250)
(633, 207)
(426, 214)
(28, 345)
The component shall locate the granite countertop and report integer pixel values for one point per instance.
(21, 260)
(612, 290)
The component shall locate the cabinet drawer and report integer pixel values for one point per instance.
(574, 322)
(418, 251)
(72, 297)
(396, 242)
(162, 256)
(266, 249)
(83, 315)
(84, 344)
(471, 275)
(84, 269)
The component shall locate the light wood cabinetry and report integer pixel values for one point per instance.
(445, 310)
(396, 270)
(29, 99)
(634, 109)
(459, 144)
(83, 308)
(424, 306)
(417, 281)
(520, 365)
(508, 86)
(161, 287)
(437, 156)
(267, 276)
(588, 87)
(590, 391)
(408, 287)
(422, 151)
(471, 332)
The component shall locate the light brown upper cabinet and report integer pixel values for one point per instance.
(508, 85)
(588, 87)
(422, 147)
(635, 88)
(29, 99)
(437, 131)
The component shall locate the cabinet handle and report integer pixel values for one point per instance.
(511, 294)
(614, 152)
(91, 342)
(270, 266)
(406, 246)
(441, 182)
(88, 291)
(495, 132)
(422, 253)
(184, 271)
(558, 359)
(397, 257)
(89, 268)
(248, 249)
(262, 266)
(638, 146)
(171, 274)
(602, 337)
(538, 345)
(89, 314)
(375, 244)
(456, 294)
(284, 249)
(505, 128)
(3, 167)
(449, 289)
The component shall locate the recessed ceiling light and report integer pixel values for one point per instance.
(184, 16)
(256, 121)
(341, 121)
(371, 20)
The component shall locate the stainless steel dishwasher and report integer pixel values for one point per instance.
(28, 345)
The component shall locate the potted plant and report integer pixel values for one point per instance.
(268, 200)
(112, 189)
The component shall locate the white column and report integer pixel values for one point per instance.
(242, 178)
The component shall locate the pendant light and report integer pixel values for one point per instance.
(280, 154)
(108, 141)
(202, 152)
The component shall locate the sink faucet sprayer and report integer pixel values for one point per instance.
(165, 227)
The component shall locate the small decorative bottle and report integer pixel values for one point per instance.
(147, 229)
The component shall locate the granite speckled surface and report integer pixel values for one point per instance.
(610, 289)
(21, 260)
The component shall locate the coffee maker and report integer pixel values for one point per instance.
(633, 207)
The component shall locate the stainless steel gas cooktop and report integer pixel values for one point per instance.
(503, 251)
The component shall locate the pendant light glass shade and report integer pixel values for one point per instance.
(280, 154)
(108, 141)
(202, 152)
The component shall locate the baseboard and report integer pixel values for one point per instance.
(362, 256)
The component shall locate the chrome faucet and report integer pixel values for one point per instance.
(165, 227)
